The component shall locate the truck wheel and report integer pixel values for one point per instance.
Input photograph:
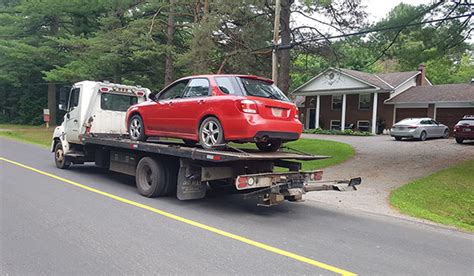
(150, 177)
(60, 158)
(171, 178)
(136, 128)
(211, 134)
(269, 146)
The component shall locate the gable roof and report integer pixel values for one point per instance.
(384, 81)
(461, 92)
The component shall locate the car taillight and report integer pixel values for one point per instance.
(297, 112)
(413, 127)
(248, 106)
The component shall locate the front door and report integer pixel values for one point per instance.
(72, 117)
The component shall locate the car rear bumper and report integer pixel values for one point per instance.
(407, 133)
(254, 128)
(464, 135)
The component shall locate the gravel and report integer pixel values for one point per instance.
(385, 164)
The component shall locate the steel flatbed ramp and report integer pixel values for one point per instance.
(179, 150)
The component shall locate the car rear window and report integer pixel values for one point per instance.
(466, 121)
(408, 121)
(260, 88)
(115, 102)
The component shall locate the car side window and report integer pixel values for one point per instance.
(425, 122)
(197, 88)
(228, 85)
(74, 98)
(175, 91)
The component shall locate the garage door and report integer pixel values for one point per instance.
(450, 116)
(403, 113)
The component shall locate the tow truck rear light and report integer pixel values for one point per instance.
(104, 89)
(243, 182)
(248, 106)
(140, 93)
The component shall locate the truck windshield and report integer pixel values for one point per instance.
(260, 88)
(115, 102)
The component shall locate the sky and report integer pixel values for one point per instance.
(378, 9)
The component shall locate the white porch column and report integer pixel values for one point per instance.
(374, 114)
(343, 115)
(317, 111)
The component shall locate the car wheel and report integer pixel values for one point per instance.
(269, 146)
(459, 140)
(60, 157)
(423, 135)
(151, 177)
(211, 134)
(136, 128)
(398, 138)
(446, 134)
(189, 143)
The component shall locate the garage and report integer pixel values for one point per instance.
(450, 116)
(403, 113)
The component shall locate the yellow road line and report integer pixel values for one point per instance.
(192, 222)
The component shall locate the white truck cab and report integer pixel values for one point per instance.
(94, 107)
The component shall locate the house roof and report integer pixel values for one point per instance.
(386, 81)
(435, 94)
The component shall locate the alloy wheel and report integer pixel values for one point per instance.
(135, 128)
(210, 133)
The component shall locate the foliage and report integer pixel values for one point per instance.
(337, 132)
(445, 197)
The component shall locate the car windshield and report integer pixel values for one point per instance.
(260, 88)
(409, 122)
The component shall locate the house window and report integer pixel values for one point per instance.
(335, 125)
(364, 101)
(363, 125)
(336, 101)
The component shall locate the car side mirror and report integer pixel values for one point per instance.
(62, 107)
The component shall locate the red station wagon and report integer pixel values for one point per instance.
(215, 109)
(464, 129)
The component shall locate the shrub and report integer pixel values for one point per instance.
(337, 132)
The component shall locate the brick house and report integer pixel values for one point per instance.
(342, 98)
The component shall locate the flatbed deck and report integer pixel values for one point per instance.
(195, 153)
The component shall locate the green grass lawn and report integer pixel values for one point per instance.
(446, 197)
(339, 152)
(32, 134)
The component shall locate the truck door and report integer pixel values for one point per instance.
(73, 116)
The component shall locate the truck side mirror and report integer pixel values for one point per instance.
(64, 97)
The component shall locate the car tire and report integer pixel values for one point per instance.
(269, 146)
(398, 138)
(459, 140)
(151, 177)
(59, 157)
(423, 136)
(211, 134)
(446, 134)
(136, 128)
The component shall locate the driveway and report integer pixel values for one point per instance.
(385, 164)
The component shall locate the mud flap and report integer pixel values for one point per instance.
(189, 182)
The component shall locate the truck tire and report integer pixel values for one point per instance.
(171, 178)
(59, 157)
(136, 128)
(150, 177)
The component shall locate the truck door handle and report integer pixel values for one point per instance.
(75, 121)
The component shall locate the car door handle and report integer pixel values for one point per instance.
(201, 101)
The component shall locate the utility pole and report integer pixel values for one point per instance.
(276, 37)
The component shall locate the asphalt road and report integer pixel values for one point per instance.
(48, 226)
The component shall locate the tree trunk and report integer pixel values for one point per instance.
(284, 54)
(52, 86)
(169, 43)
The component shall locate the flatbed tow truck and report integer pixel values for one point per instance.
(163, 168)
